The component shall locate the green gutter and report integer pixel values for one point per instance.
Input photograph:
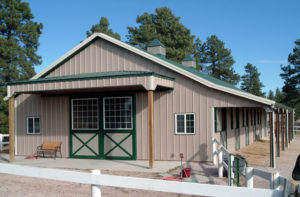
(91, 76)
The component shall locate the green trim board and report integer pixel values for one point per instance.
(101, 133)
(91, 76)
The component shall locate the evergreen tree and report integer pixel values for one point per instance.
(19, 41)
(166, 27)
(271, 95)
(217, 60)
(291, 75)
(103, 27)
(279, 96)
(199, 54)
(251, 82)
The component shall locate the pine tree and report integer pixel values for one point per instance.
(167, 28)
(279, 96)
(217, 60)
(19, 41)
(251, 82)
(271, 95)
(291, 76)
(103, 27)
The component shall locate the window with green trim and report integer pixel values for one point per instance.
(85, 114)
(33, 125)
(185, 123)
(117, 113)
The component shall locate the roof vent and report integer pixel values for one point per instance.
(189, 61)
(156, 47)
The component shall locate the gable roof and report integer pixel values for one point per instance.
(159, 59)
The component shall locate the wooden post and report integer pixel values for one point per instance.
(272, 144)
(151, 137)
(277, 131)
(282, 131)
(287, 128)
(11, 117)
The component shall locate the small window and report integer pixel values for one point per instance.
(33, 125)
(185, 123)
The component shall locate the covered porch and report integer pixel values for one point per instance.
(101, 111)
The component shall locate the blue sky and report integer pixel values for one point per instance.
(259, 32)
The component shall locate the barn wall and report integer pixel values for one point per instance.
(54, 114)
(187, 96)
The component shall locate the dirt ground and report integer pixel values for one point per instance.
(258, 156)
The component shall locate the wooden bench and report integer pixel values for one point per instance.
(49, 147)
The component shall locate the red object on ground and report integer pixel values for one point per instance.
(186, 172)
(32, 157)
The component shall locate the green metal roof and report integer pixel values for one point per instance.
(283, 106)
(188, 57)
(90, 76)
(197, 72)
(156, 43)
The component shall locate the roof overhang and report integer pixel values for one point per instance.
(156, 60)
(127, 80)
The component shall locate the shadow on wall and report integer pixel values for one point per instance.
(54, 122)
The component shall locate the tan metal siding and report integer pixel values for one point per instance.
(54, 113)
(188, 96)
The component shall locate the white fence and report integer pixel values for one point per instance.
(97, 180)
(276, 181)
(297, 129)
(2, 142)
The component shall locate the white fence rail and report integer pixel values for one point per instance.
(275, 180)
(97, 180)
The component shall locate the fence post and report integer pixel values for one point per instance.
(249, 177)
(220, 163)
(214, 147)
(95, 189)
(276, 181)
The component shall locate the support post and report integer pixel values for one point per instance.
(282, 131)
(287, 128)
(249, 177)
(151, 127)
(95, 189)
(272, 144)
(220, 163)
(11, 117)
(277, 132)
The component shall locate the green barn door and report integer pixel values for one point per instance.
(103, 127)
(119, 127)
(85, 133)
